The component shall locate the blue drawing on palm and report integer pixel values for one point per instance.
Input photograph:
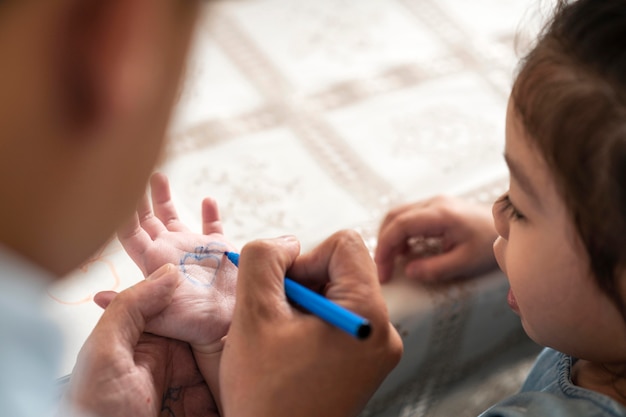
(204, 257)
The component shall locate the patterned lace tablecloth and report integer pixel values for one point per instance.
(308, 117)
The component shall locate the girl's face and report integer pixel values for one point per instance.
(540, 251)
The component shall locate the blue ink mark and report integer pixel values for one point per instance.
(212, 252)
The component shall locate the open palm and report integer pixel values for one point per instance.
(201, 310)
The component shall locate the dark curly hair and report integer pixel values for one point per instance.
(570, 93)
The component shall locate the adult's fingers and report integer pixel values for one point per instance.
(104, 298)
(270, 347)
(125, 317)
(260, 281)
(343, 266)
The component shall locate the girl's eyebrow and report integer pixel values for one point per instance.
(522, 179)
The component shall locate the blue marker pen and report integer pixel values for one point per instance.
(322, 307)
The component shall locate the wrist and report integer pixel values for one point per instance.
(210, 349)
(208, 361)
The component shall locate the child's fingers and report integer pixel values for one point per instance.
(147, 220)
(432, 269)
(452, 264)
(394, 235)
(163, 205)
(211, 222)
(134, 239)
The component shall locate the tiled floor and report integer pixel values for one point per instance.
(308, 117)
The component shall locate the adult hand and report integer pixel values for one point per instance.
(121, 371)
(463, 233)
(285, 362)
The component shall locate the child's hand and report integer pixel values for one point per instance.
(202, 305)
(201, 310)
(458, 237)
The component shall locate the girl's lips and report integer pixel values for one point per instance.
(512, 302)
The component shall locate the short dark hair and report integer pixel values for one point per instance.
(570, 94)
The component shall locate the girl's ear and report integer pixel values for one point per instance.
(106, 55)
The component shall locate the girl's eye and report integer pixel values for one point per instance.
(507, 207)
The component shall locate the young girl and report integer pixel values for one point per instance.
(562, 224)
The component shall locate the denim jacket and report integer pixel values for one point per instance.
(549, 392)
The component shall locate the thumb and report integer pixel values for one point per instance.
(125, 317)
(261, 277)
(104, 298)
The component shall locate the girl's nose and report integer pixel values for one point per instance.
(500, 220)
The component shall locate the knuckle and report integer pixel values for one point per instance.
(405, 219)
(258, 248)
(443, 200)
(390, 347)
(346, 236)
(438, 199)
(395, 212)
(349, 235)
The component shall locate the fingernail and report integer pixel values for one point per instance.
(161, 272)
